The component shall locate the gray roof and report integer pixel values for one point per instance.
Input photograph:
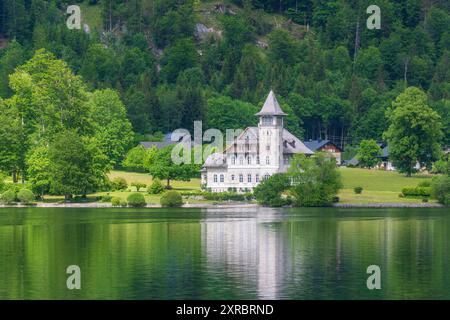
(167, 141)
(385, 152)
(317, 144)
(271, 107)
(291, 144)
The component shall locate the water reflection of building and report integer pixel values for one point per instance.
(252, 251)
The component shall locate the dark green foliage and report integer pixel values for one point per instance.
(329, 90)
(25, 196)
(136, 200)
(269, 192)
(171, 199)
(358, 190)
(441, 189)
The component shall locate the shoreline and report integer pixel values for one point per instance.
(100, 205)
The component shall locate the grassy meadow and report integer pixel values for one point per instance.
(378, 186)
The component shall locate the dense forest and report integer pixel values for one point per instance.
(176, 61)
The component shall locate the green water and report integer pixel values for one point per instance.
(224, 254)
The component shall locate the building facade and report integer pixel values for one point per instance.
(326, 146)
(255, 155)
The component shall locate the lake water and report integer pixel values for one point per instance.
(224, 254)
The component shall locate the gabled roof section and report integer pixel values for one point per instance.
(292, 145)
(315, 145)
(271, 107)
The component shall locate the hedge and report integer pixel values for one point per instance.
(416, 191)
(136, 200)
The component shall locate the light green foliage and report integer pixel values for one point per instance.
(25, 196)
(112, 128)
(269, 191)
(414, 133)
(368, 154)
(440, 189)
(8, 197)
(171, 199)
(138, 185)
(139, 159)
(115, 201)
(38, 166)
(316, 180)
(156, 187)
(136, 200)
(119, 184)
(164, 168)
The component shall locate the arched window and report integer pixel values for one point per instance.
(241, 178)
(268, 147)
(249, 160)
(267, 160)
(241, 160)
(232, 177)
(233, 160)
(257, 160)
(222, 178)
(215, 178)
(266, 176)
(249, 177)
(257, 178)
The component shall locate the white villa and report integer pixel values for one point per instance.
(256, 154)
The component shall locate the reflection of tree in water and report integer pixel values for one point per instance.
(219, 254)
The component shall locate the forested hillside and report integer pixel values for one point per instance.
(176, 61)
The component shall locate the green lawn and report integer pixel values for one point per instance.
(379, 186)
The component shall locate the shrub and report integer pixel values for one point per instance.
(171, 199)
(416, 191)
(106, 198)
(358, 190)
(425, 200)
(425, 184)
(315, 180)
(336, 199)
(115, 201)
(441, 189)
(156, 187)
(138, 185)
(119, 184)
(123, 203)
(8, 197)
(136, 200)
(25, 196)
(269, 191)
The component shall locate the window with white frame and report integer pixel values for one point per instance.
(233, 160)
(241, 178)
(215, 178)
(249, 160)
(222, 178)
(257, 178)
(267, 160)
(232, 177)
(249, 177)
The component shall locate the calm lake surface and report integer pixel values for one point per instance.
(224, 254)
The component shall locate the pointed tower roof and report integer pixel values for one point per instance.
(271, 107)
